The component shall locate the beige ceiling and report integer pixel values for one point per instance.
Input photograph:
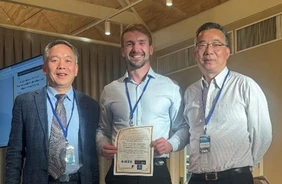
(85, 18)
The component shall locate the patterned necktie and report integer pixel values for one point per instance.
(57, 144)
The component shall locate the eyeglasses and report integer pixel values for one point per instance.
(214, 45)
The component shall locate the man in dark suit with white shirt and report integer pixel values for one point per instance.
(33, 118)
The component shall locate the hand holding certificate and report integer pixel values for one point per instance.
(135, 154)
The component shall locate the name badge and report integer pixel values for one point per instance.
(205, 144)
(130, 123)
(70, 157)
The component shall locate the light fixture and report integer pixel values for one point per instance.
(88, 26)
(169, 2)
(107, 27)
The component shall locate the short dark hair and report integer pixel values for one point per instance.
(57, 42)
(137, 27)
(213, 25)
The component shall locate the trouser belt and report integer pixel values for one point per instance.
(159, 161)
(220, 174)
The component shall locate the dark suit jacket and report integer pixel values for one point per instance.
(29, 139)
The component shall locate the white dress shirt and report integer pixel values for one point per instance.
(239, 128)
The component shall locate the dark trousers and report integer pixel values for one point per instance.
(70, 182)
(240, 178)
(73, 179)
(160, 176)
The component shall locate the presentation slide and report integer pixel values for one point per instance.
(14, 80)
(29, 80)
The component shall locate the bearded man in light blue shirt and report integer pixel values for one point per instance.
(142, 97)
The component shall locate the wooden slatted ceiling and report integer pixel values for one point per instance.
(154, 13)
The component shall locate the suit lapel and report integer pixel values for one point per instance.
(40, 101)
(80, 109)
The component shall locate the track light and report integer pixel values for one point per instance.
(107, 28)
(169, 2)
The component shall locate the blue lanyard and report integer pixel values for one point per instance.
(207, 119)
(65, 130)
(132, 110)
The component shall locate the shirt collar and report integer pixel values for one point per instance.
(220, 77)
(52, 93)
(217, 80)
(150, 73)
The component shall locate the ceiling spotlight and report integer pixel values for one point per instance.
(169, 2)
(107, 28)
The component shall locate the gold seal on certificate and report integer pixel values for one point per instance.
(135, 154)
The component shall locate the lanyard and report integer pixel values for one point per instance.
(132, 110)
(65, 130)
(207, 119)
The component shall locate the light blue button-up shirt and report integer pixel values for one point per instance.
(160, 106)
(73, 121)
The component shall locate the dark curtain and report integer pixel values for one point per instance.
(98, 64)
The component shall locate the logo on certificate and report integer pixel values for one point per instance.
(139, 167)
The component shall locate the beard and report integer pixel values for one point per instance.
(137, 63)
